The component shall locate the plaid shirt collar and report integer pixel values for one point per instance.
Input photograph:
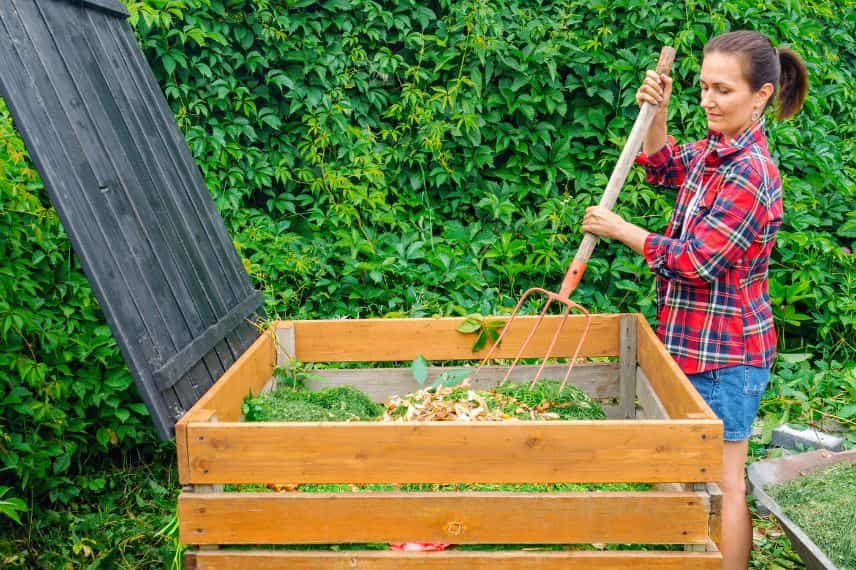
(753, 135)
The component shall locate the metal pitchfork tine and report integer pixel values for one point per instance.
(578, 265)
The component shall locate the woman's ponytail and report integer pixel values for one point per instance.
(793, 84)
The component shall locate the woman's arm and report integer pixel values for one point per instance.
(606, 223)
(656, 90)
(665, 162)
(716, 243)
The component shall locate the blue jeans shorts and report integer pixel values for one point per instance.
(734, 394)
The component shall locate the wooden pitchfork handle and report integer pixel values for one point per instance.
(616, 181)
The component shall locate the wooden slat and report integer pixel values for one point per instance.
(627, 362)
(599, 379)
(248, 374)
(110, 6)
(666, 378)
(652, 407)
(174, 368)
(490, 452)
(198, 415)
(457, 518)
(436, 339)
(450, 560)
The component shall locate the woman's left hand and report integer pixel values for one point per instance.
(603, 222)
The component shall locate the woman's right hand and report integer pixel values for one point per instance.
(656, 90)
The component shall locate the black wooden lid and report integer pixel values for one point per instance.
(134, 203)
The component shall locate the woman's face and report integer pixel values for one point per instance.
(726, 96)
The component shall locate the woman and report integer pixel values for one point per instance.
(714, 312)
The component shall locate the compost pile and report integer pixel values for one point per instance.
(508, 402)
(462, 403)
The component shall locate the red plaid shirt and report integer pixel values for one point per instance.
(712, 300)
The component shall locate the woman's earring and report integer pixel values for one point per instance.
(755, 115)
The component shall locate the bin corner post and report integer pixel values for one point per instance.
(194, 489)
(715, 494)
(712, 496)
(627, 366)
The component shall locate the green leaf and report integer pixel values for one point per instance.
(11, 506)
(168, 63)
(103, 436)
(847, 411)
(795, 357)
(481, 341)
(419, 369)
(470, 324)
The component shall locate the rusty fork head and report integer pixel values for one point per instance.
(551, 298)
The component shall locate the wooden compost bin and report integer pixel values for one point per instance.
(659, 432)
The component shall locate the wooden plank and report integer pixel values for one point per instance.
(197, 415)
(598, 379)
(458, 518)
(249, 373)
(170, 371)
(372, 340)
(285, 348)
(450, 560)
(652, 407)
(181, 451)
(447, 452)
(284, 341)
(666, 378)
(113, 7)
(627, 363)
(715, 523)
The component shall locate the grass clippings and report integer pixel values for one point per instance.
(339, 404)
(823, 504)
(456, 403)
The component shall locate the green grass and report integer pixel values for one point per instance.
(125, 520)
(569, 404)
(823, 504)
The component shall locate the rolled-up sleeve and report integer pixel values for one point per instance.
(668, 166)
(720, 238)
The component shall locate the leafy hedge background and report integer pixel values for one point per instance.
(377, 158)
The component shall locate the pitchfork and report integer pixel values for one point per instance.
(578, 265)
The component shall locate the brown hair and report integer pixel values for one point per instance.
(762, 63)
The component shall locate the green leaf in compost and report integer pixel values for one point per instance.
(419, 368)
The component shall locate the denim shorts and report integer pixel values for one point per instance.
(734, 394)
